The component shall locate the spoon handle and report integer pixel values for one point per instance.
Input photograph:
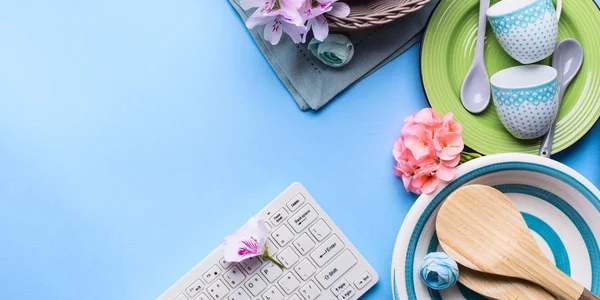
(587, 295)
(548, 140)
(483, 7)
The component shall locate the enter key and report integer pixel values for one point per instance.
(327, 250)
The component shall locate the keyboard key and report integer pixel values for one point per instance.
(283, 235)
(303, 244)
(339, 287)
(202, 297)
(225, 264)
(194, 288)
(305, 269)
(347, 294)
(320, 230)
(250, 264)
(289, 283)
(294, 297)
(327, 250)
(295, 202)
(279, 216)
(239, 294)
(271, 272)
(303, 218)
(181, 297)
(234, 276)
(268, 227)
(271, 246)
(255, 285)
(212, 274)
(288, 257)
(273, 294)
(218, 289)
(336, 269)
(361, 281)
(310, 291)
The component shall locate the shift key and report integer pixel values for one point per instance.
(336, 269)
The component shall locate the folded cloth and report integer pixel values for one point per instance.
(313, 84)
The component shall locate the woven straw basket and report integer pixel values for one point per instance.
(365, 14)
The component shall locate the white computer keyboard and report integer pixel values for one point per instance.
(320, 261)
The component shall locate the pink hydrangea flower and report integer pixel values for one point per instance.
(428, 151)
(248, 242)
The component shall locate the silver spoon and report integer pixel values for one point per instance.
(475, 90)
(567, 60)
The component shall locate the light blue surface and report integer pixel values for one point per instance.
(130, 146)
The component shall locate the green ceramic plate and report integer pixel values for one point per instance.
(447, 52)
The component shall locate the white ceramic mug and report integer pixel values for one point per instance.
(526, 99)
(526, 29)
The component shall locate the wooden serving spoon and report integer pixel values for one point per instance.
(500, 287)
(482, 229)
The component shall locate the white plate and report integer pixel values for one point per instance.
(561, 207)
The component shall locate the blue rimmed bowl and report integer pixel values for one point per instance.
(560, 206)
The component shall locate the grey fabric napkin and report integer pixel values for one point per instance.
(313, 84)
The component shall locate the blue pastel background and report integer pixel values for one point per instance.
(135, 135)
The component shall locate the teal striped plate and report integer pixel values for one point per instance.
(561, 208)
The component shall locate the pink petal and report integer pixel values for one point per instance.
(428, 117)
(398, 149)
(407, 180)
(320, 28)
(430, 185)
(340, 10)
(295, 32)
(452, 162)
(291, 4)
(257, 18)
(418, 148)
(445, 173)
(450, 124)
(247, 242)
(273, 30)
(418, 140)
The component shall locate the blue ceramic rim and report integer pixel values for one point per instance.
(517, 11)
(493, 168)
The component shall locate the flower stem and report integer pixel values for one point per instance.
(467, 156)
(273, 261)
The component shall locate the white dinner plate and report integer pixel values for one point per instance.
(560, 206)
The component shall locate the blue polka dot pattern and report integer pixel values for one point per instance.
(527, 113)
(529, 34)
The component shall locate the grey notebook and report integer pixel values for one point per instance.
(310, 81)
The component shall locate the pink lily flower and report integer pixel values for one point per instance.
(248, 242)
(313, 10)
(278, 16)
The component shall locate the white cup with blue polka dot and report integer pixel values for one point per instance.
(526, 99)
(526, 29)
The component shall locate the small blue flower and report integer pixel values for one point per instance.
(335, 51)
(438, 271)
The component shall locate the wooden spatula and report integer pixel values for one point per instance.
(500, 287)
(482, 229)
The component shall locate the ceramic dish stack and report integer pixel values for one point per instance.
(448, 49)
(560, 207)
